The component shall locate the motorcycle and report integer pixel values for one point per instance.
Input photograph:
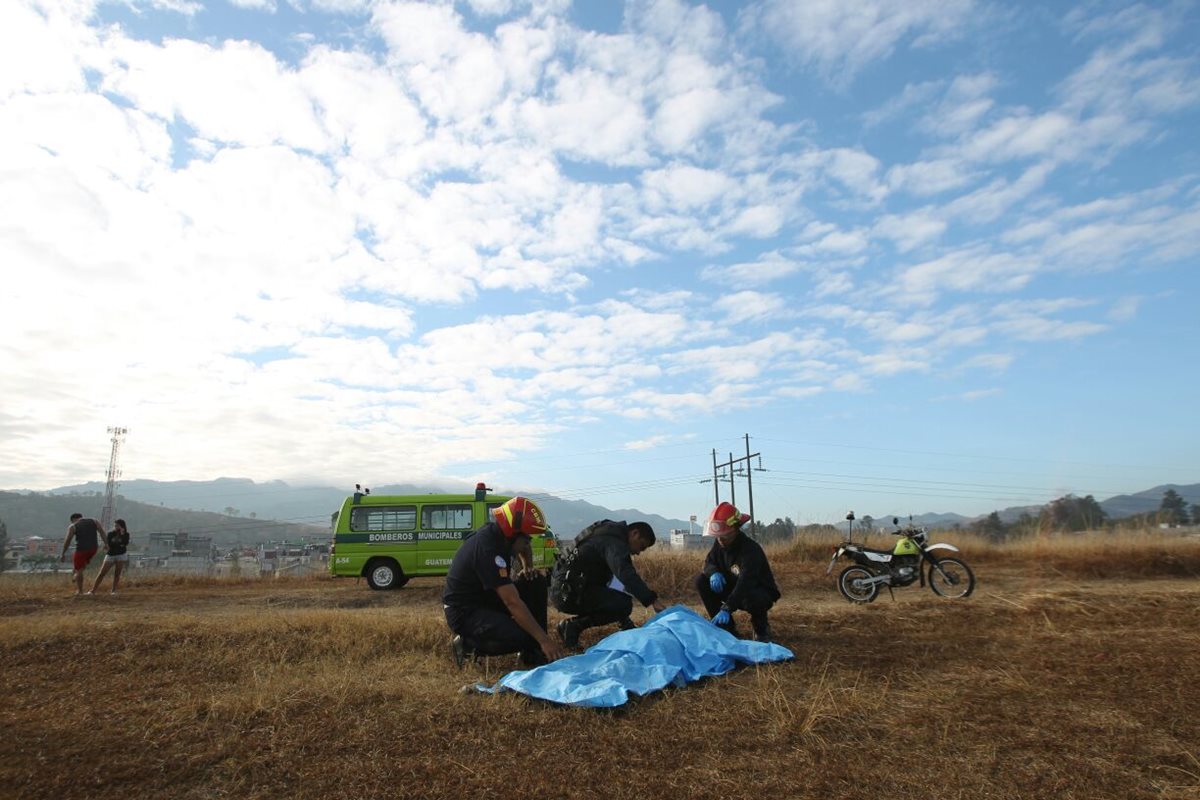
(911, 560)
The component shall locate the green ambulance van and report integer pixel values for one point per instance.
(388, 539)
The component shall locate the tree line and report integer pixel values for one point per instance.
(1068, 513)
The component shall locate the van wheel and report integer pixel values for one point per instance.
(384, 573)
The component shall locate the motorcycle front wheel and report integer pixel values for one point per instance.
(951, 578)
(851, 585)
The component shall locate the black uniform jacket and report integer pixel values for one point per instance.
(481, 565)
(744, 560)
(605, 554)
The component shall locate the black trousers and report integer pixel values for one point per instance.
(599, 605)
(492, 632)
(757, 600)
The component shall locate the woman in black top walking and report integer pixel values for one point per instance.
(117, 556)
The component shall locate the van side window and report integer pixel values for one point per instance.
(446, 517)
(383, 518)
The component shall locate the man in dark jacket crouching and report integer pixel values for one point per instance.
(736, 574)
(597, 581)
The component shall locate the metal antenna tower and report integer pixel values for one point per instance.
(110, 491)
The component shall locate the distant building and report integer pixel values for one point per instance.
(184, 561)
(292, 557)
(160, 545)
(35, 545)
(179, 544)
(686, 540)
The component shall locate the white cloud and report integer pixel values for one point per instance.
(770, 267)
(255, 5)
(1021, 136)
(44, 48)
(187, 8)
(850, 382)
(684, 118)
(747, 306)
(1036, 329)
(924, 178)
(841, 39)
(969, 270)
(997, 362)
(649, 443)
(962, 108)
(492, 8)
(1032, 321)
(237, 93)
(683, 186)
(341, 84)
(733, 364)
(881, 325)
(988, 203)
(759, 221)
(1124, 76)
(1126, 308)
(893, 363)
(854, 169)
(910, 231)
(800, 392)
(839, 243)
(590, 117)
(86, 132)
(914, 96)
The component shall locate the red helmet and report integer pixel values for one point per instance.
(725, 518)
(520, 516)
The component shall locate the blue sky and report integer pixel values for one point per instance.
(930, 256)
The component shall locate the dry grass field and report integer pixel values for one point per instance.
(1072, 672)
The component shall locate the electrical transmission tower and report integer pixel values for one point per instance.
(730, 465)
(110, 491)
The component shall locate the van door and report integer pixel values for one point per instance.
(443, 527)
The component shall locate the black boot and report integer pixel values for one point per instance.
(626, 624)
(460, 650)
(569, 630)
(532, 658)
(762, 628)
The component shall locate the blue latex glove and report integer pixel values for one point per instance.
(722, 618)
(717, 582)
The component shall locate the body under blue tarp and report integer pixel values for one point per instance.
(675, 648)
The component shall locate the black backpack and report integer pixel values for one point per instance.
(569, 578)
(567, 581)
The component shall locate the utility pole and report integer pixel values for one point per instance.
(748, 473)
(110, 491)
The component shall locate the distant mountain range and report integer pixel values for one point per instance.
(28, 514)
(247, 506)
(314, 505)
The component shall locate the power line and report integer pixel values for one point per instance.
(953, 455)
(949, 484)
(860, 489)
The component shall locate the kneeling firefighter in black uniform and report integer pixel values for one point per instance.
(488, 613)
(736, 574)
(581, 581)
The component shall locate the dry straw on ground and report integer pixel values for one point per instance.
(1070, 673)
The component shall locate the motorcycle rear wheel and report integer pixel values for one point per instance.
(851, 586)
(951, 578)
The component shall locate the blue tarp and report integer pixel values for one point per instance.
(675, 648)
